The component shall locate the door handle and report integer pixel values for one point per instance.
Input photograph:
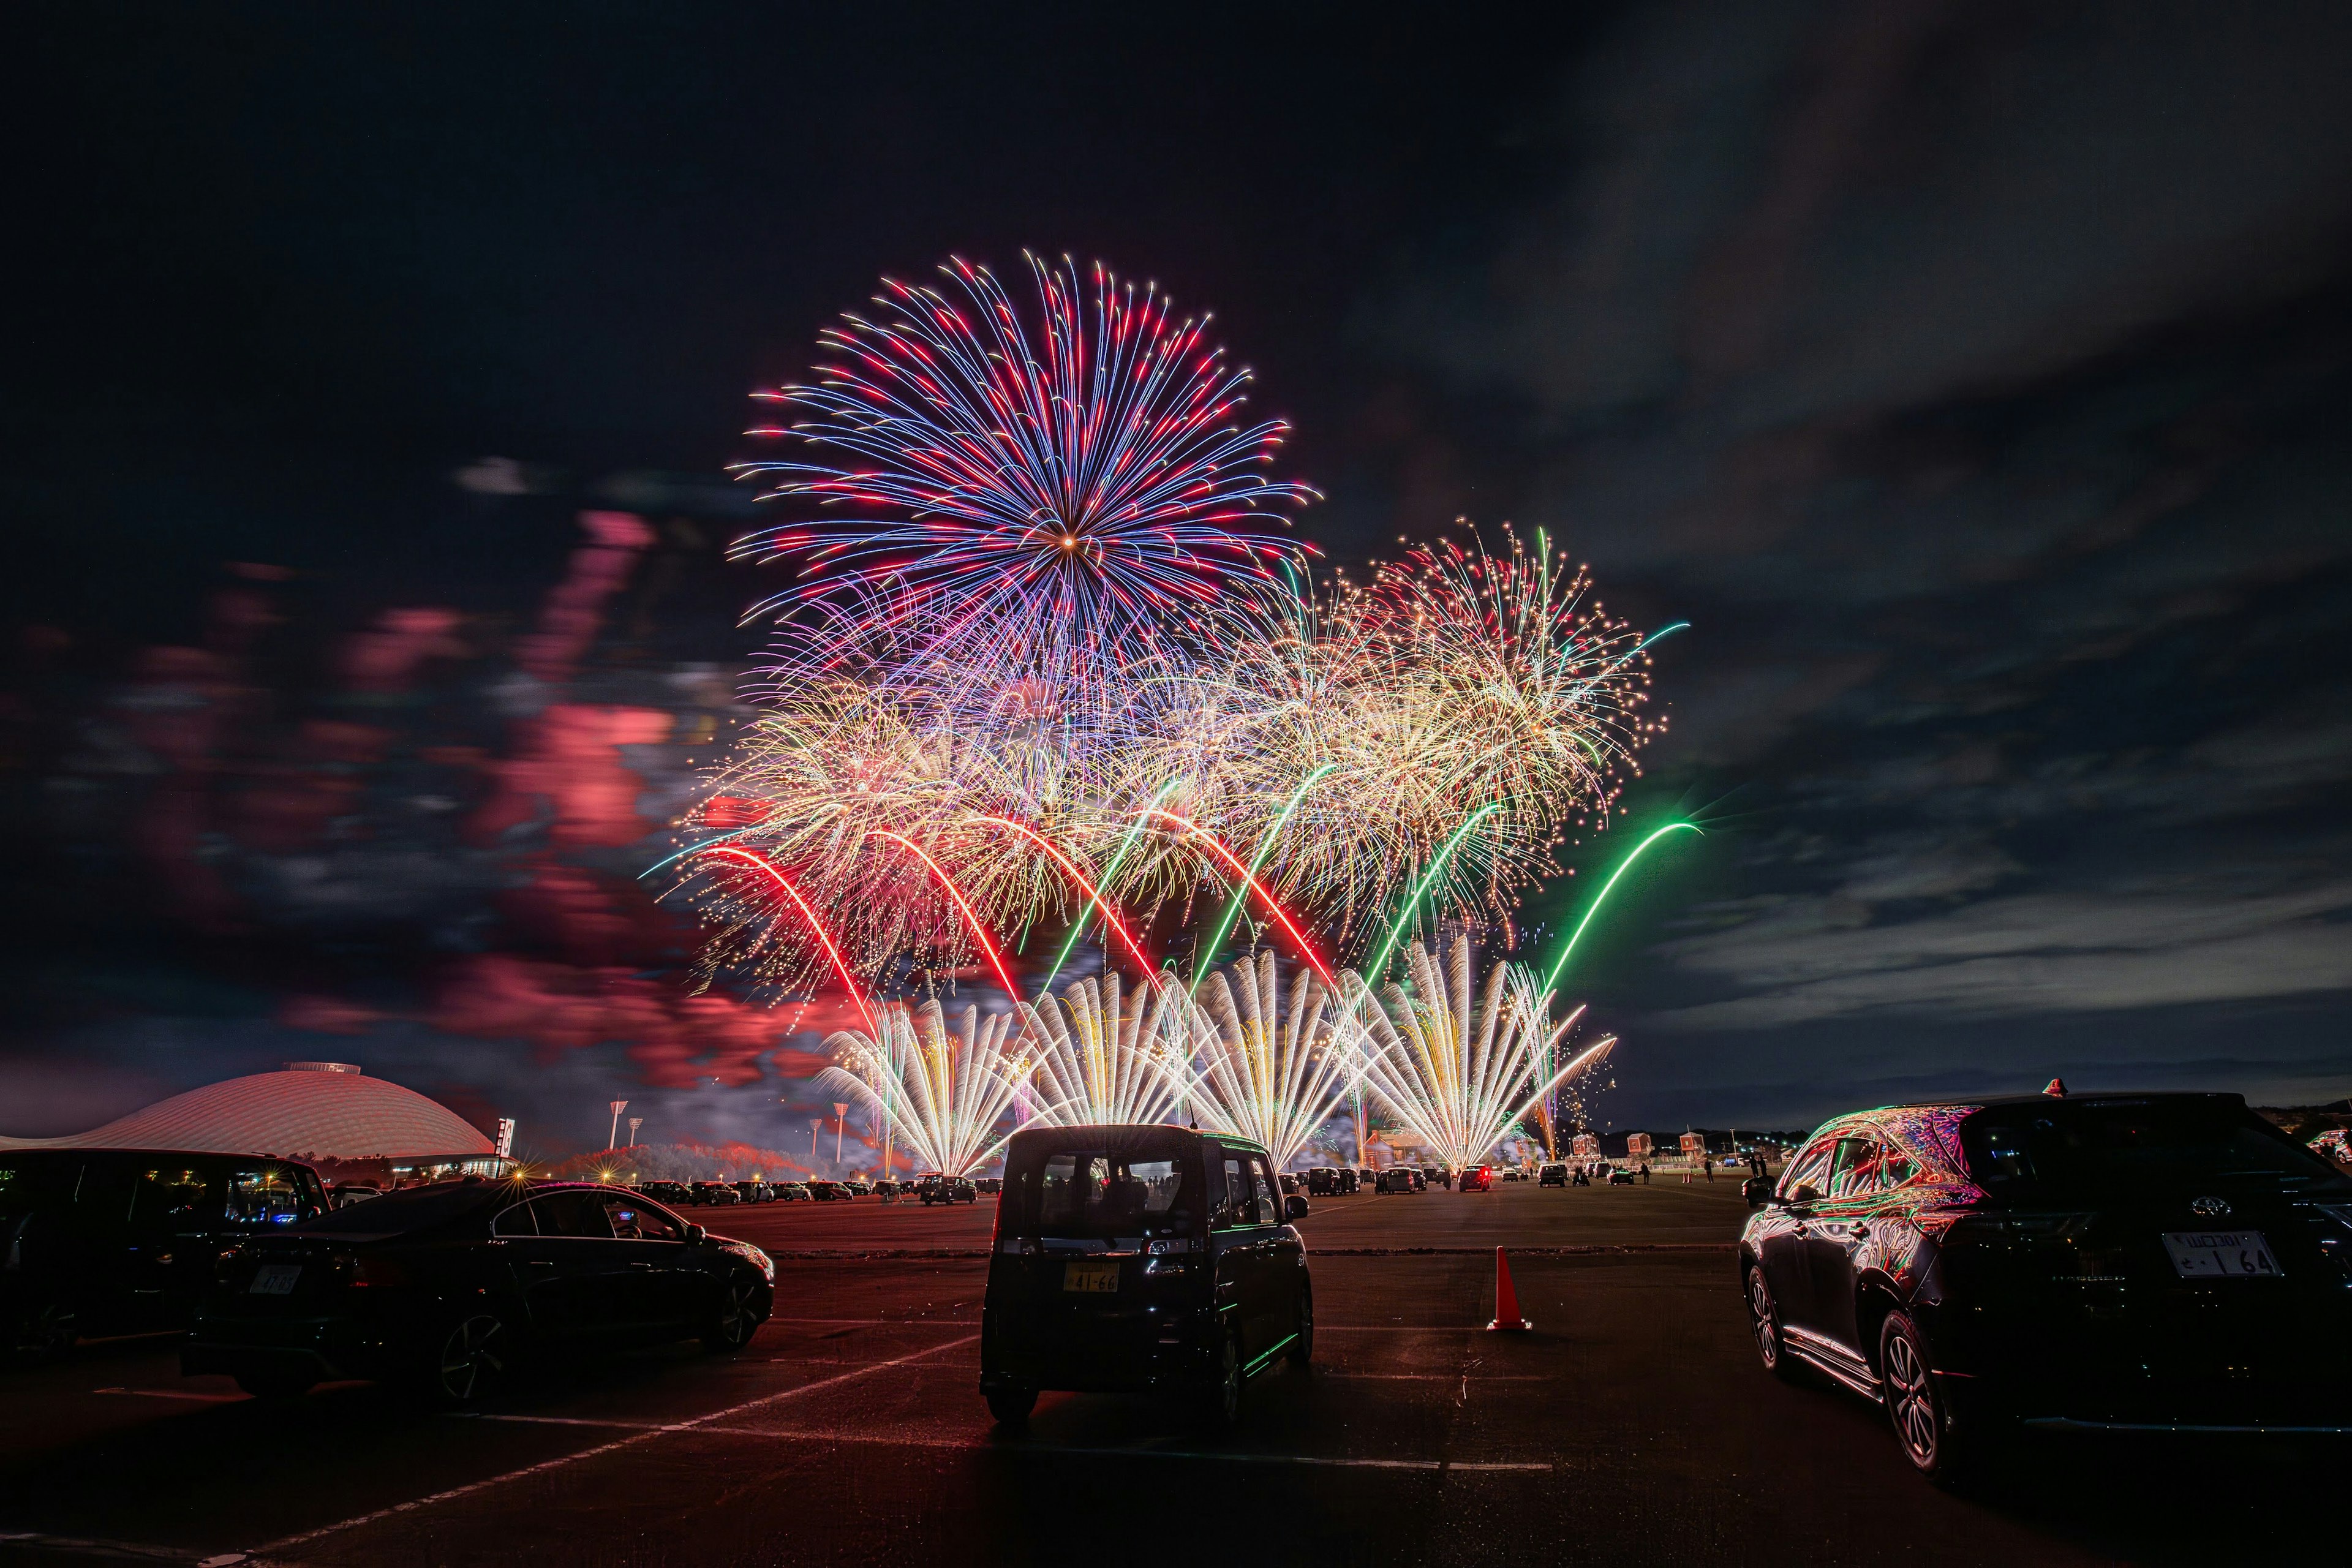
(641, 1269)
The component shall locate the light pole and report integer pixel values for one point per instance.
(613, 1137)
(814, 1127)
(840, 1115)
(635, 1123)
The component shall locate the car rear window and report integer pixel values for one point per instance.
(1097, 1194)
(2072, 1152)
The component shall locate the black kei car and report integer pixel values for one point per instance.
(118, 1241)
(2140, 1262)
(1140, 1257)
(446, 1287)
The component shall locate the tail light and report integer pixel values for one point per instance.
(226, 1264)
(1975, 1225)
(367, 1271)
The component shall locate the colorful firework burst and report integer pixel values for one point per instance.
(944, 1093)
(1015, 500)
(1457, 1066)
(1261, 1068)
(1104, 1057)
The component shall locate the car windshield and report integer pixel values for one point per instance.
(1093, 1194)
(2100, 1149)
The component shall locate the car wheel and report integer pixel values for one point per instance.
(739, 1316)
(1223, 1406)
(45, 1327)
(1011, 1406)
(1764, 1321)
(278, 1382)
(1916, 1406)
(1302, 1349)
(471, 1361)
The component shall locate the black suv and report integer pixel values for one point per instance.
(449, 1285)
(938, 1189)
(2124, 1261)
(1140, 1257)
(115, 1241)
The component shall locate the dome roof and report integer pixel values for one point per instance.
(320, 1111)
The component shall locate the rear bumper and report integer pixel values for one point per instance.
(1100, 1355)
(329, 1347)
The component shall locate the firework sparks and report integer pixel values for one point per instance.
(943, 1093)
(1261, 1068)
(1015, 497)
(1102, 1058)
(1459, 1066)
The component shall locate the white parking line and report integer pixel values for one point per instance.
(974, 1445)
(617, 1443)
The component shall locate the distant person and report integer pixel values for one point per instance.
(1645, 1172)
(1708, 1162)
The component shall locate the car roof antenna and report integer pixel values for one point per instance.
(2057, 1089)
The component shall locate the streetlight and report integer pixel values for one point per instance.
(613, 1137)
(635, 1123)
(814, 1127)
(840, 1115)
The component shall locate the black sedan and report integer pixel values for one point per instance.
(448, 1286)
(1402, 1179)
(2137, 1262)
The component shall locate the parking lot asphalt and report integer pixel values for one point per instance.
(1632, 1421)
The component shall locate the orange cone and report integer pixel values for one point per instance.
(1506, 1300)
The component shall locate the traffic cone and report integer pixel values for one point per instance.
(1506, 1300)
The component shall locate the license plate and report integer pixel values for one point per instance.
(2213, 1254)
(275, 1279)
(1091, 1278)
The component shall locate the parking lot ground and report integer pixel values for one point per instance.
(1633, 1421)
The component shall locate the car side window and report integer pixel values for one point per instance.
(166, 1197)
(1265, 1192)
(1808, 1174)
(517, 1221)
(1856, 1168)
(640, 1222)
(1233, 1193)
(578, 1215)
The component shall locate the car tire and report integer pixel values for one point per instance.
(278, 1382)
(1940, 1449)
(1302, 1349)
(1764, 1325)
(470, 1358)
(46, 1326)
(1221, 1403)
(737, 1318)
(1011, 1406)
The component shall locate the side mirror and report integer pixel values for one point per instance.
(1757, 1190)
(1294, 1207)
(694, 1234)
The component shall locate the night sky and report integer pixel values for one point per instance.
(1974, 379)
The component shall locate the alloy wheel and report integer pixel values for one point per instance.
(1764, 1319)
(1910, 1401)
(473, 1358)
(737, 1321)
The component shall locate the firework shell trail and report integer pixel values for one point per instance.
(1106, 1053)
(1262, 1067)
(944, 1092)
(1456, 1064)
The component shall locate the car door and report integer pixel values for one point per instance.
(570, 1270)
(662, 1289)
(1283, 1264)
(1236, 1247)
(1838, 1230)
(1782, 1229)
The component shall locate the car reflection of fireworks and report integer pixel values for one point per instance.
(1051, 664)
